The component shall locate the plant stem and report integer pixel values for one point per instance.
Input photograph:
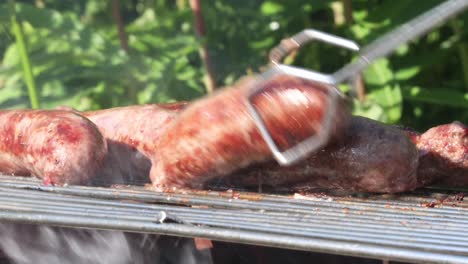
(210, 80)
(27, 67)
(462, 50)
(120, 25)
(123, 39)
(348, 12)
(357, 82)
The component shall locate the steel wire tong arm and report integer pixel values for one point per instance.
(317, 140)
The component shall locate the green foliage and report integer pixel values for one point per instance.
(423, 83)
(21, 46)
(77, 58)
(384, 102)
(82, 66)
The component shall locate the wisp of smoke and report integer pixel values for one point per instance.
(55, 245)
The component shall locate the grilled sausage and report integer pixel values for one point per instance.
(370, 157)
(60, 147)
(443, 154)
(132, 133)
(216, 135)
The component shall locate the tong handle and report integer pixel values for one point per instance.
(391, 41)
(295, 42)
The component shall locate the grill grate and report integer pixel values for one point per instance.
(426, 227)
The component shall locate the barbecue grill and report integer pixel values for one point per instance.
(424, 226)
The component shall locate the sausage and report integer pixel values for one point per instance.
(132, 133)
(60, 147)
(216, 135)
(370, 157)
(443, 154)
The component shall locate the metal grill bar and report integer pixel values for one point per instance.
(193, 214)
(389, 227)
(298, 228)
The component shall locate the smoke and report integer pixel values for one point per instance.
(24, 244)
(123, 165)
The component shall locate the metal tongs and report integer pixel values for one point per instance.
(377, 49)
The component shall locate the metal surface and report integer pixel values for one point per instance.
(295, 42)
(425, 228)
(375, 50)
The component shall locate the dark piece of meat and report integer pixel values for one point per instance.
(132, 133)
(60, 147)
(215, 136)
(371, 157)
(443, 152)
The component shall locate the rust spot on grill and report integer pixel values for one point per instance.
(429, 204)
(184, 201)
(452, 200)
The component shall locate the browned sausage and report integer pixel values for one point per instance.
(132, 133)
(216, 135)
(443, 154)
(371, 157)
(60, 147)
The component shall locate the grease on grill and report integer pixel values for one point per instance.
(451, 200)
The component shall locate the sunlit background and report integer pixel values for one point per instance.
(93, 54)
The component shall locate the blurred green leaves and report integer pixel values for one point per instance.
(77, 59)
(437, 97)
(422, 84)
(271, 8)
(384, 99)
(77, 65)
